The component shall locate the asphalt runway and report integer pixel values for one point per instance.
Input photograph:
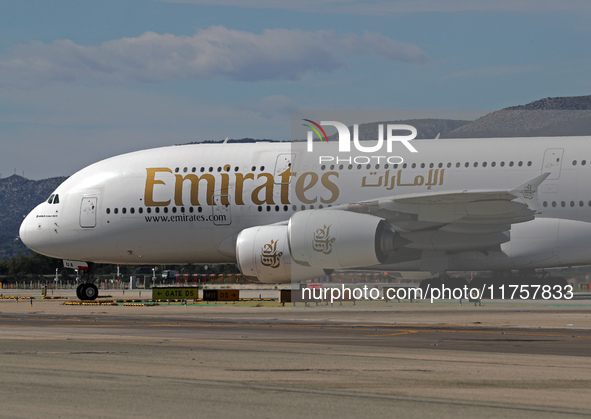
(521, 359)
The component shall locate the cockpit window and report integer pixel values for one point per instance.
(54, 199)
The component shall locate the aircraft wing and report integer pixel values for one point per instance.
(455, 220)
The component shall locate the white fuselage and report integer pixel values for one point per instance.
(187, 204)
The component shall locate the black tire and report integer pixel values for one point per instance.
(87, 292)
(80, 290)
(90, 292)
(562, 283)
(428, 284)
(483, 287)
(454, 283)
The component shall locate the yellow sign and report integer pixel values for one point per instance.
(191, 293)
(220, 295)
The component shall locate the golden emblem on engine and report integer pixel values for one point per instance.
(322, 240)
(528, 192)
(269, 255)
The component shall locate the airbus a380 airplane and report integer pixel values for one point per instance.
(485, 204)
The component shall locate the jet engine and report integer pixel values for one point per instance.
(333, 239)
(263, 253)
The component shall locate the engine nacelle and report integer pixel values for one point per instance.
(263, 253)
(334, 239)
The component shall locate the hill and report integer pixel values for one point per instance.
(544, 117)
(426, 128)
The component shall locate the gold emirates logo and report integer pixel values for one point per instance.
(165, 187)
(528, 192)
(322, 240)
(269, 255)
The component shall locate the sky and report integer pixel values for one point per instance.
(84, 80)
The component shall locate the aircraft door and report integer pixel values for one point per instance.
(88, 212)
(221, 213)
(552, 162)
(284, 162)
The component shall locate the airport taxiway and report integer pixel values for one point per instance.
(519, 359)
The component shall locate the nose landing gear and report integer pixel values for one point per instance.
(87, 292)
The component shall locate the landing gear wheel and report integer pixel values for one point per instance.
(427, 286)
(79, 291)
(87, 292)
(91, 292)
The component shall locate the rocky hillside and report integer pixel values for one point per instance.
(545, 117)
(426, 128)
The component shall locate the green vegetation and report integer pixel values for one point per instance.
(26, 266)
(34, 266)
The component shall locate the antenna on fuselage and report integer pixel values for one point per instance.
(226, 140)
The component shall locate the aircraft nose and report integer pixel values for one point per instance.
(32, 232)
(25, 230)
